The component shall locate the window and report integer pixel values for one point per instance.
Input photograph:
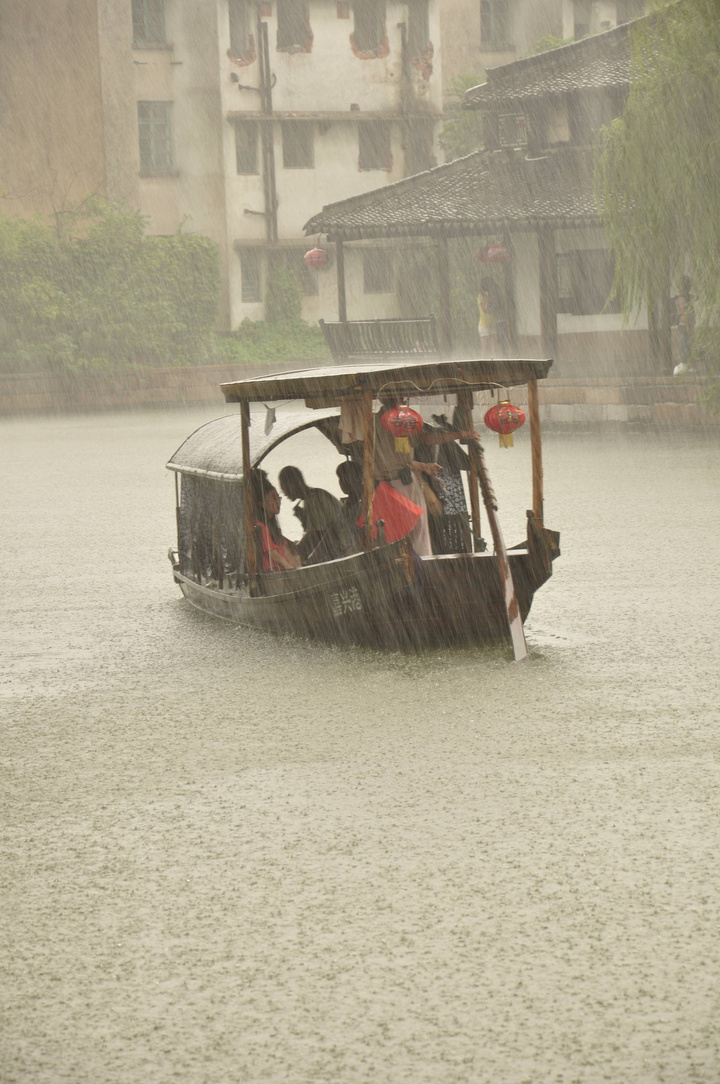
(585, 279)
(378, 271)
(374, 145)
(251, 274)
(418, 28)
(494, 22)
(369, 29)
(512, 129)
(246, 145)
(239, 16)
(298, 141)
(148, 18)
(155, 136)
(419, 153)
(293, 25)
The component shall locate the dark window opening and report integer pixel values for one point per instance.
(298, 141)
(246, 147)
(240, 30)
(293, 24)
(374, 145)
(378, 271)
(418, 28)
(581, 18)
(251, 274)
(155, 137)
(585, 279)
(419, 155)
(494, 22)
(148, 17)
(369, 28)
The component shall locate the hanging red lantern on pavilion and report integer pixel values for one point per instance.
(504, 418)
(316, 258)
(402, 422)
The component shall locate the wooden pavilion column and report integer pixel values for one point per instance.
(250, 552)
(465, 404)
(340, 265)
(536, 451)
(368, 470)
(444, 289)
(548, 291)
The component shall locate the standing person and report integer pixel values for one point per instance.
(487, 324)
(316, 508)
(404, 472)
(277, 552)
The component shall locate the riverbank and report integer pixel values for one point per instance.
(565, 401)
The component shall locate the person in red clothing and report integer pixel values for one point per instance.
(276, 551)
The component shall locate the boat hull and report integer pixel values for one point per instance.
(385, 598)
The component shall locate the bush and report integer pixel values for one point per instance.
(99, 293)
(257, 343)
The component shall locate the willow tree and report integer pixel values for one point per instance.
(658, 170)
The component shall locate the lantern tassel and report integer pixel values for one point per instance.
(506, 440)
(402, 444)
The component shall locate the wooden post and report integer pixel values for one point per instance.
(548, 291)
(250, 552)
(444, 290)
(368, 470)
(536, 451)
(342, 299)
(465, 403)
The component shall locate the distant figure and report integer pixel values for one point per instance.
(685, 316)
(316, 508)
(276, 551)
(487, 324)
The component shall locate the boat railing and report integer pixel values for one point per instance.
(412, 337)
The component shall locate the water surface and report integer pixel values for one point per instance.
(228, 857)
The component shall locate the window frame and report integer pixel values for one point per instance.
(251, 275)
(294, 126)
(369, 130)
(251, 127)
(153, 128)
(418, 33)
(151, 13)
(239, 15)
(490, 20)
(372, 11)
(380, 279)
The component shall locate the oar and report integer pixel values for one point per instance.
(517, 633)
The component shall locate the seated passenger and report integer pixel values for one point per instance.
(276, 551)
(343, 535)
(316, 509)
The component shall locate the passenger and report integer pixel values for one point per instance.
(404, 473)
(316, 508)
(277, 552)
(343, 535)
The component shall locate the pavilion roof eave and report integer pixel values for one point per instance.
(455, 228)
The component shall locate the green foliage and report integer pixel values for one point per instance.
(283, 304)
(96, 292)
(258, 343)
(548, 42)
(658, 170)
(463, 132)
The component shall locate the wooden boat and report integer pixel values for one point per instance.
(384, 595)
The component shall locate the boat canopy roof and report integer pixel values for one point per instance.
(215, 449)
(336, 383)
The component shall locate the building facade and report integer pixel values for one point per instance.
(229, 118)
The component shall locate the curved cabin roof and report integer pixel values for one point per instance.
(338, 383)
(215, 451)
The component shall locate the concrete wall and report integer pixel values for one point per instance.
(51, 121)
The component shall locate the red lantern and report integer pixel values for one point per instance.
(497, 254)
(402, 422)
(316, 257)
(504, 418)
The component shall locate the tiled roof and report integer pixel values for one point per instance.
(602, 60)
(480, 193)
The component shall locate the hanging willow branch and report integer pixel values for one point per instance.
(658, 167)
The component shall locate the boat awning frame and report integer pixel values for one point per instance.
(341, 383)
